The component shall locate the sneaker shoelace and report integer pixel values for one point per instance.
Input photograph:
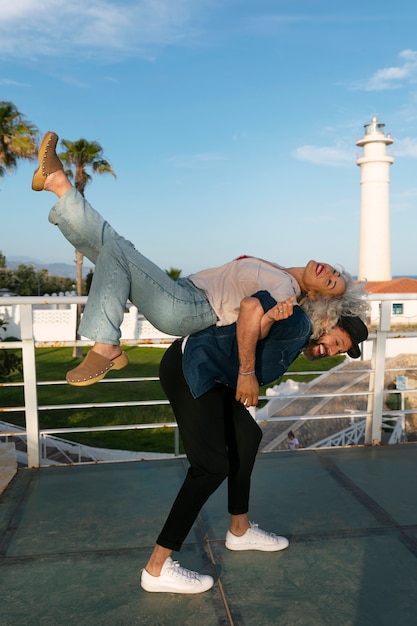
(262, 533)
(177, 571)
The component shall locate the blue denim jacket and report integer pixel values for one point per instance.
(211, 355)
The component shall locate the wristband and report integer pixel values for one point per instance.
(246, 373)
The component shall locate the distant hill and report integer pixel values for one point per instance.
(64, 270)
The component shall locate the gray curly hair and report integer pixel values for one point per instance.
(324, 313)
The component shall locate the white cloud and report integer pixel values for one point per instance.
(32, 29)
(392, 77)
(324, 155)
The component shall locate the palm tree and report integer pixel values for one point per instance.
(174, 273)
(17, 138)
(77, 157)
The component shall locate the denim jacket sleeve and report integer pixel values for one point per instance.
(211, 356)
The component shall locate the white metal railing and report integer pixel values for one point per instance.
(355, 434)
(350, 436)
(373, 416)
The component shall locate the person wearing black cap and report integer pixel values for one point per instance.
(345, 336)
(357, 332)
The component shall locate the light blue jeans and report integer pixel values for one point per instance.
(121, 273)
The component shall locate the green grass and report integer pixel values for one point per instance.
(52, 365)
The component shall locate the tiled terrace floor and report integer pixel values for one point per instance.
(74, 539)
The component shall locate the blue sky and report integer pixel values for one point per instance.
(231, 124)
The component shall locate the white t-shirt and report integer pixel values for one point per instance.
(293, 443)
(227, 285)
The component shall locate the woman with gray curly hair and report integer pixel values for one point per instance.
(324, 313)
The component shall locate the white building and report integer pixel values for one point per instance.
(403, 312)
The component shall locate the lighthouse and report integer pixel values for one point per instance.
(374, 240)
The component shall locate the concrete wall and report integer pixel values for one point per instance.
(58, 323)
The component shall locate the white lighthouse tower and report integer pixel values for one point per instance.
(374, 240)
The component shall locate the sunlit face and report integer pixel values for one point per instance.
(323, 279)
(336, 341)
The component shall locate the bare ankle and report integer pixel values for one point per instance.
(152, 570)
(239, 524)
(157, 560)
(57, 183)
(110, 351)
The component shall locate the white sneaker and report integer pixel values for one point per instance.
(256, 539)
(176, 579)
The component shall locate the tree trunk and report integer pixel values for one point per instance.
(79, 257)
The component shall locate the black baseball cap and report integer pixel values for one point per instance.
(356, 330)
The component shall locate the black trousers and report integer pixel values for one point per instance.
(221, 440)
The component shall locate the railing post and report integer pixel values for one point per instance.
(176, 442)
(377, 380)
(29, 385)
